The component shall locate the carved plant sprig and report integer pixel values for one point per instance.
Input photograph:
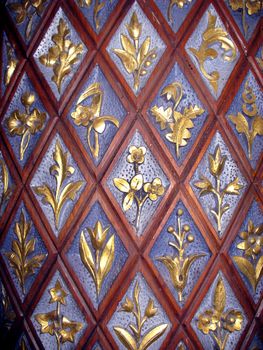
(20, 259)
(89, 116)
(178, 123)
(135, 58)
(179, 3)
(99, 263)
(63, 55)
(11, 63)
(98, 6)
(179, 264)
(251, 263)
(136, 189)
(250, 110)
(26, 11)
(54, 322)
(217, 322)
(216, 168)
(136, 340)
(250, 6)
(25, 123)
(213, 35)
(61, 171)
(6, 190)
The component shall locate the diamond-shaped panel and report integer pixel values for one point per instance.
(97, 13)
(136, 48)
(180, 253)
(218, 184)
(7, 185)
(245, 116)
(24, 251)
(212, 51)
(96, 115)
(57, 184)
(140, 298)
(27, 15)
(177, 114)
(220, 319)
(138, 183)
(246, 251)
(60, 53)
(95, 241)
(25, 120)
(57, 314)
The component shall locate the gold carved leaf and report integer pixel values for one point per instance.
(129, 62)
(257, 126)
(162, 116)
(259, 269)
(241, 123)
(106, 260)
(152, 336)
(69, 192)
(220, 296)
(122, 185)
(125, 338)
(127, 45)
(47, 194)
(86, 256)
(247, 269)
(144, 49)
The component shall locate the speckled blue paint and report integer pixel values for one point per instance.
(120, 255)
(111, 106)
(189, 98)
(257, 342)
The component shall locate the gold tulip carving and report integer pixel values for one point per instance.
(98, 264)
(213, 35)
(179, 123)
(135, 58)
(61, 170)
(250, 110)
(62, 56)
(205, 186)
(20, 258)
(179, 264)
(136, 340)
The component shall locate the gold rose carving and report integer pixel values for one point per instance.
(136, 190)
(179, 3)
(218, 322)
(136, 340)
(250, 110)
(6, 191)
(98, 264)
(64, 192)
(135, 58)
(251, 6)
(213, 35)
(98, 6)
(62, 56)
(26, 11)
(216, 168)
(260, 60)
(179, 264)
(54, 322)
(251, 263)
(20, 259)
(11, 63)
(89, 116)
(176, 122)
(25, 123)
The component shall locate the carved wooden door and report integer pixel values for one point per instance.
(130, 169)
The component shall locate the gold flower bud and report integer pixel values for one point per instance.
(127, 306)
(150, 309)
(27, 99)
(170, 229)
(186, 228)
(190, 238)
(134, 27)
(180, 212)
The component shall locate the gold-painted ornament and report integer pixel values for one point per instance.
(11, 63)
(179, 3)
(98, 6)
(6, 191)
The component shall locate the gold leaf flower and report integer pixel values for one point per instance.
(232, 320)
(58, 294)
(127, 306)
(216, 162)
(150, 310)
(154, 189)
(16, 123)
(208, 321)
(252, 240)
(98, 235)
(136, 154)
(134, 27)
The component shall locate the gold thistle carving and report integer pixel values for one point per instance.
(25, 123)
(6, 190)
(179, 3)
(61, 171)
(213, 35)
(136, 189)
(63, 55)
(98, 6)
(216, 168)
(136, 340)
(251, 6)
(54, 322)
(218, 322)
(250, 110)
(89, 116)
(179, 265)
(135, 58)
(179, 123)
(26, 11)
(104, 254)
(251, 264)
(20, 258)
(11, 63)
